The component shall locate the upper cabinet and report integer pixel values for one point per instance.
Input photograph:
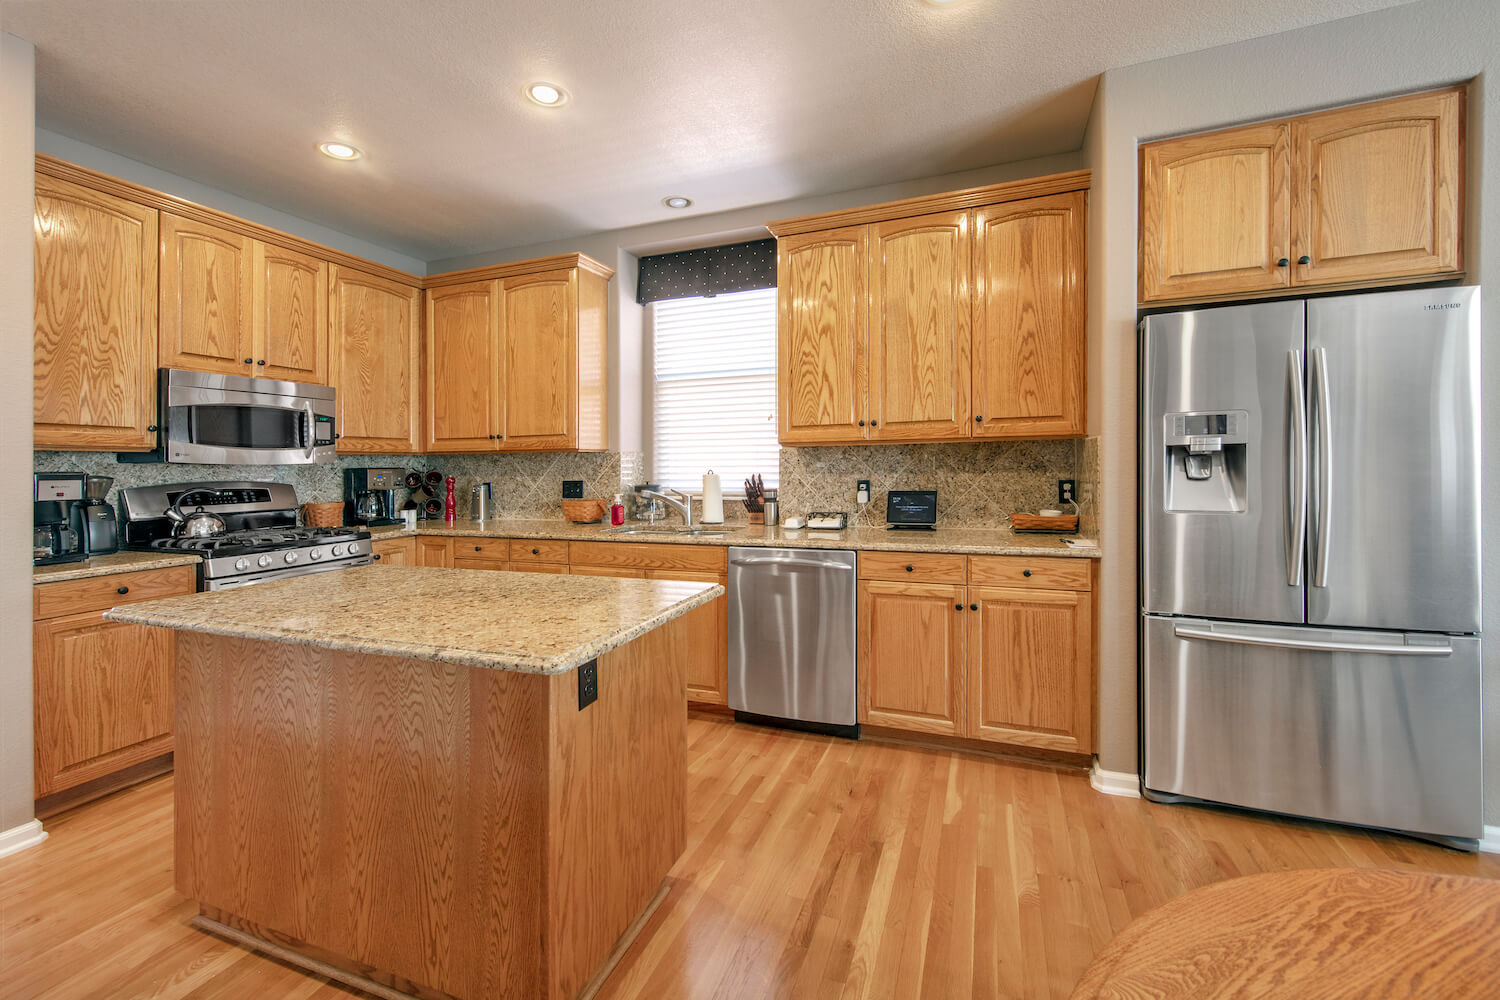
(1370, 194)
(918, 325)
(376, 347)
(95, 337)
(289, 303)
(516, 359)
(206, 278)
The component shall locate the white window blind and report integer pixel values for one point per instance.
(714, 404)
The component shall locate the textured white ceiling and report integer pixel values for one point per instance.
(730, 102)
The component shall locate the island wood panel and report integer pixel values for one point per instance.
(102, 699)
(394, 551)
(1030, 675)
(540, 378)
(465, 362)
(919, 328)
(289, 300)
(376, 350)
(441, 822)
(94, 344)
(434, 551)
(1216, 213)
(1377, 189)
(911, 656)
(207, 277)
(822, 374)
(1030, 317)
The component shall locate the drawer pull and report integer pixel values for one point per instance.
(377, 557)
(479, 548)
(122, 590)
(958, 607)
(910, 568)
(973, 607)
(536, 552)
(1025, 572)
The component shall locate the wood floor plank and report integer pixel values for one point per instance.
(814, 868)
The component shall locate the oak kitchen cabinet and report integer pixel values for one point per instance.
(376, 348)
(103, 699)
(95, 329)
(994, 648)
(935, 319)
(394, 551)
(516, 358)
(434, 551)
(1357, 196)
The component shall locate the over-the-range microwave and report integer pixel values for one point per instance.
(233, 420)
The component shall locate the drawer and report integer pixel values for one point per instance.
(459, 562)
(539, 567)
(538, 550)
(72, 597)
(482, 549)
(912, 567)
(644, 555)
(1039, 572)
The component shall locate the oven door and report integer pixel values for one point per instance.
(230, 420)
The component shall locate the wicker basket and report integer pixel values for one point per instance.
(1035, 522)
(584, 511)
(323, 515)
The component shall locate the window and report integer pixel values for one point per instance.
(714, 396)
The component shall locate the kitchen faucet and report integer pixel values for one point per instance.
(683, 506)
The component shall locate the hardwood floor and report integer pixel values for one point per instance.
(815, 868)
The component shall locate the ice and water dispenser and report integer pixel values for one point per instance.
(1206, 462)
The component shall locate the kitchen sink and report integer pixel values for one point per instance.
(664, 529)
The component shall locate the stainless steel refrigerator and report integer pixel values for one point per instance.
(1310, 559)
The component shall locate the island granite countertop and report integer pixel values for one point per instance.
(527, 622)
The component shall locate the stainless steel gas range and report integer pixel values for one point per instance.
(262, 540)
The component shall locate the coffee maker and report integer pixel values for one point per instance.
(59, 534)
(370, 496)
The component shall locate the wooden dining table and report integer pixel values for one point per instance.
(1318, 933)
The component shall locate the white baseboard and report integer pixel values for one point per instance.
(1490, 844)
(1124, 783)
(21, 837)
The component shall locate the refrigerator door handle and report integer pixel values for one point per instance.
(1296, 478)
(1324, 492)
(1438, 648)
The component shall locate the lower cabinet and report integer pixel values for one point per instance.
(480, 553)
(1003, 653)
(394, 551)
(103, 691)
(434, 551)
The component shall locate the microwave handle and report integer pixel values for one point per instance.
(306, 431)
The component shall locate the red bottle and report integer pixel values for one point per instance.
(450, 505)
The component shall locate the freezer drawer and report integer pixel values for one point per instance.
(1384, 731)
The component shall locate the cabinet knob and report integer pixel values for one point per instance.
(479, 548)
(958, 607)
(377, 557)
(1283, 262)
(249, 361)
(874, 423)
(122, 590)
(910, 568)
(978, 419)
(260, 362)
(1025, 572)
(1304, 259)
(151, 428)
(861, 423)
(973, 607)
(536, 552)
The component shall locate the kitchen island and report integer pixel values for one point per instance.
(437, 783)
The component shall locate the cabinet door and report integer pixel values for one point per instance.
(540, 373)
(1029, 317)
(465, 358)
(919, 328)
(821, 377)
(206, 278)
(95, 337)
(376, 355)
(395, 551)
(290, 297)
(911, 656)
(103, 698)
(1215, 214)
(1030, 670)
(1378, 190)
(708, 641)
(434, 552)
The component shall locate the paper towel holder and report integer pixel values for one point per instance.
(713, 499)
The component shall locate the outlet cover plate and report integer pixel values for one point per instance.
(572, 489)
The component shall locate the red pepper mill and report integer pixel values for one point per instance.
(450, 505)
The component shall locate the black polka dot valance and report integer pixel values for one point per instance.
(737, 267)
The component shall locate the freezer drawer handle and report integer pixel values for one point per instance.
(1384, 649)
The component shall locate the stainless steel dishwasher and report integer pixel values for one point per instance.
(791, 638)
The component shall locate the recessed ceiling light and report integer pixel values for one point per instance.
(338, 150)
(548, 95)
(677, 201)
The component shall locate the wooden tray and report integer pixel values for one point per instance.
(1066, 524)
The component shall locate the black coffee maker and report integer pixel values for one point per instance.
(370, 496)
(59, 533)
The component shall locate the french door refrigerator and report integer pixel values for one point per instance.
(1310, 559)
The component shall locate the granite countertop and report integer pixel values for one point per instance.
(966, 541)
(118, 562)
(528, 622)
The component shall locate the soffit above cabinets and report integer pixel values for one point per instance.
(731, 104)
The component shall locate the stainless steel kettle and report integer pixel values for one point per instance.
(199, 524)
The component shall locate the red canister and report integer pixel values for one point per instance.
(450, 505)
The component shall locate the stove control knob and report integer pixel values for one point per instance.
(315, 555)
(242, 564)
(338, 550)
(263, 562)
(354, 548)
(290, 557)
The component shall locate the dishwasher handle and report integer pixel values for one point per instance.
(811, 563)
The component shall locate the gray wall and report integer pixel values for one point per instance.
(1405, 48)
(17, 104)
